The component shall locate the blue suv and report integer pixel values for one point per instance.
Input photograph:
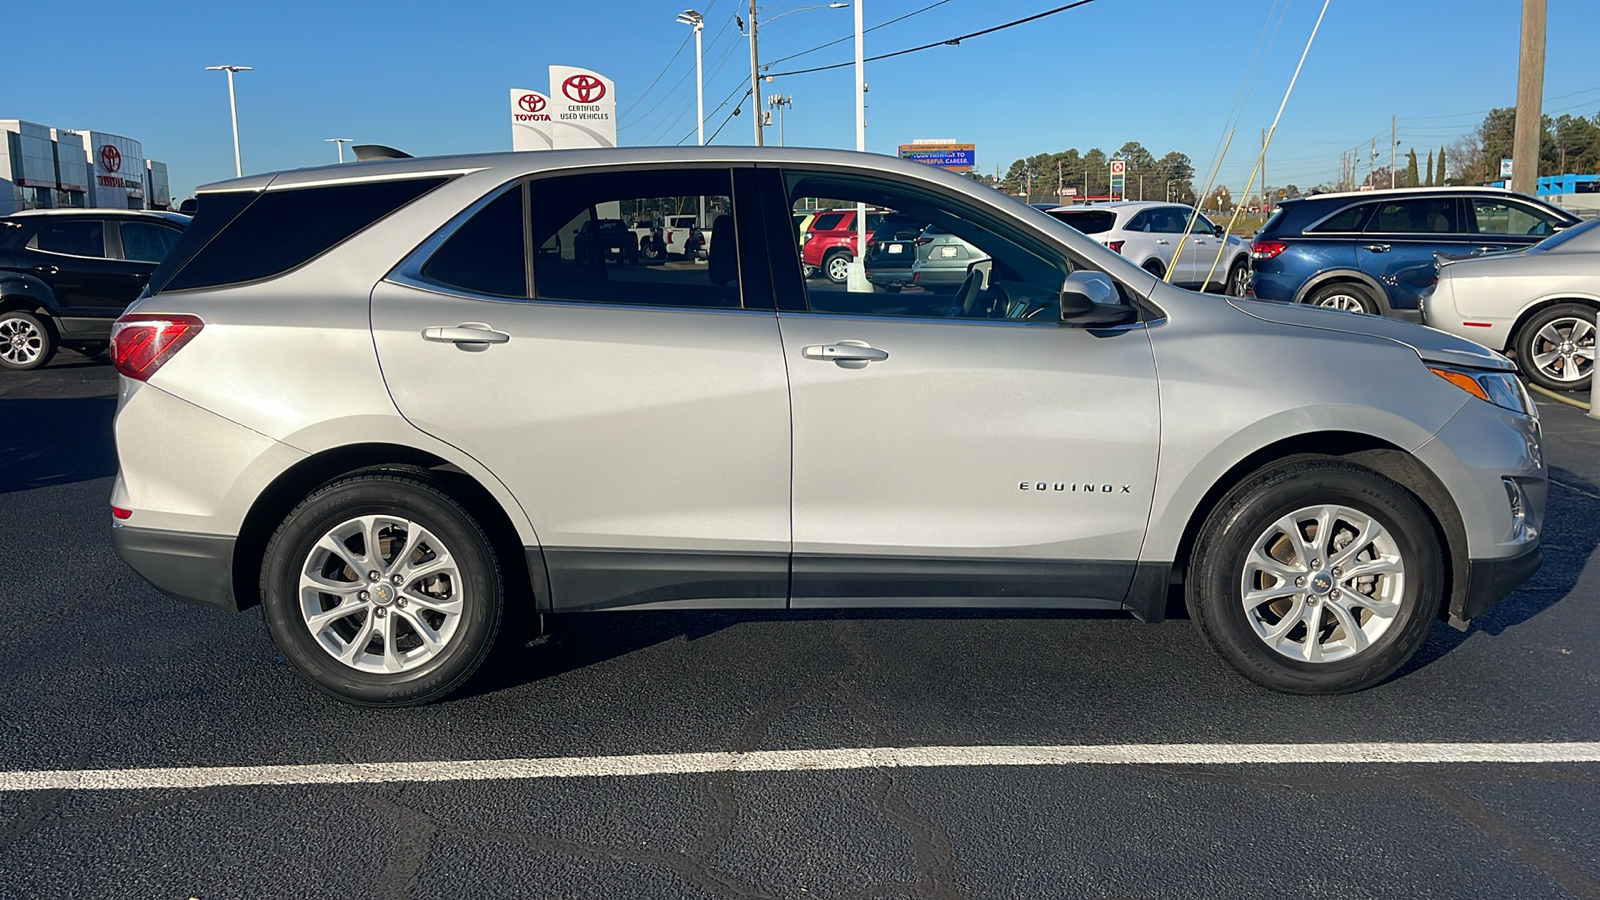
(1372, 251)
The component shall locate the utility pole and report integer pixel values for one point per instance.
(755, 77)
(1263, 172)
(1391, 151)
(1059, 195)
(1530, 88)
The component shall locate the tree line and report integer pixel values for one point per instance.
(1045, 177)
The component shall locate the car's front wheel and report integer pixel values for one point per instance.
(1316, 576)
(1555, 348)
(381, 590)
(26, 342)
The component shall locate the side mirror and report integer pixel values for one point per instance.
(1220, 231)
(1089, 298)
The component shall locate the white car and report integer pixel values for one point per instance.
(1536, 304)
(1148, 233)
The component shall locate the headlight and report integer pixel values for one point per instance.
(1500, 388)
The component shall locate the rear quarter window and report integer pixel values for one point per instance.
(238, 237)
(1088, 221)
(1343, 221)
(827, 222)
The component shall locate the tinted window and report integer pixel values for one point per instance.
(282, 229)
(147, 242)
(1495, 216)
(1168, 220)
(1202, 225)
(78, 237)
(826, 222)
(589, 248)
(1583, 237)
(487, 255)
(213, 212)
(895, 226)
(1009, 278)
(1345, 220)
(1423, 215)
(1095, 221)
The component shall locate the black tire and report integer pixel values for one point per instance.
(832, 270)
(26, 341)
(1214, 590)
(1565, 372)
(419, 501)
(1238, 282)
(1154, 267)
(1346, 295)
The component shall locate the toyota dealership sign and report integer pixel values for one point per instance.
(583, 106)
(530, 120)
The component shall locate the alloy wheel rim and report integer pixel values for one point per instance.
(1240, 282)
(381, 594)
(839, 268)
(1345, 302)
(1564, 349)
(21, 342)
(1323, 583)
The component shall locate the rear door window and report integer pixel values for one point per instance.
(147, 241)
(1420, 215)
(280, 230)
(72, 237)
(488, 254)
(1097, 221)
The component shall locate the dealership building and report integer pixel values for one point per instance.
(50, 168)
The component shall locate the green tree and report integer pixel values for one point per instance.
(1176, 168)
(1439, 178)
(1410, 178)
(1290, 191)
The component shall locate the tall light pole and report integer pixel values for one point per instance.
(696, 21)
(755, 68)
(339, 143)
(778, 102)
(233, 110)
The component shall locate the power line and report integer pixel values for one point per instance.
(654, 81)
(852, 36)
(951, 42)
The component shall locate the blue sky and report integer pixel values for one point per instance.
(432, 78)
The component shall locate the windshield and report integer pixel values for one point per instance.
(1585, 234)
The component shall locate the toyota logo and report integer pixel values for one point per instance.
(110, 158)
(583, 89)
(530, 102)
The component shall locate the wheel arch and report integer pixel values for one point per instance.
(1374, 453)
(523, 567)
(1540, 305)
(1336, 276)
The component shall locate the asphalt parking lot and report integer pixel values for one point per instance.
(98, 671)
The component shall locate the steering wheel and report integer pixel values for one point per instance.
(966, 296)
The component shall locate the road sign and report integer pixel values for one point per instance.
(1505, 168)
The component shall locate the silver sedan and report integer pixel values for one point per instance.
(1537, 304)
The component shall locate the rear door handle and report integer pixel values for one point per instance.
(1489, 249)
(465, 333)
(844, 351)
(1378, 248)
(47, 270)
(1162, 241)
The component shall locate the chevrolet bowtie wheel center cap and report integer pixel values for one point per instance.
(1321, 583)
(383, 594)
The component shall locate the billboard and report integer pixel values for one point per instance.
(583, 105)
(945, 155)
(530, 120)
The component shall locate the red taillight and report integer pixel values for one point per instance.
(1266, 249)
(141, 343)
(118, 512)
(1115, 245)
(922, 240)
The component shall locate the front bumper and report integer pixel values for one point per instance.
(194, 568)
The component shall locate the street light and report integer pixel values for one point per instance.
(338, 142)
(755, 69)
(233, 110)
(696, 21)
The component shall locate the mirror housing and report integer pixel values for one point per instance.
(1220, 231)
(1089, 298)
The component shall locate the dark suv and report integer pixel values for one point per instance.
(65, 276)
(1373, 251)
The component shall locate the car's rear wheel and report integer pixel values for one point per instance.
(1238, 279)
(1555, 348)
(1345, 295)
(382, 590)
(837, 267)
(26, 342)
(1316, 576)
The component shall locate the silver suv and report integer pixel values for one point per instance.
(1151, 234)
(391, 401)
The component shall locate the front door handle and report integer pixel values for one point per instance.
(1489, 249)
(1162, 241)
(1378, 248)
(845, 351)
(47, 270)
(465, 333)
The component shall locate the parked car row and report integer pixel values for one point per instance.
(1503, 269)
(65, 276)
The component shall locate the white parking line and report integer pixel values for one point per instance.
(799, 761)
